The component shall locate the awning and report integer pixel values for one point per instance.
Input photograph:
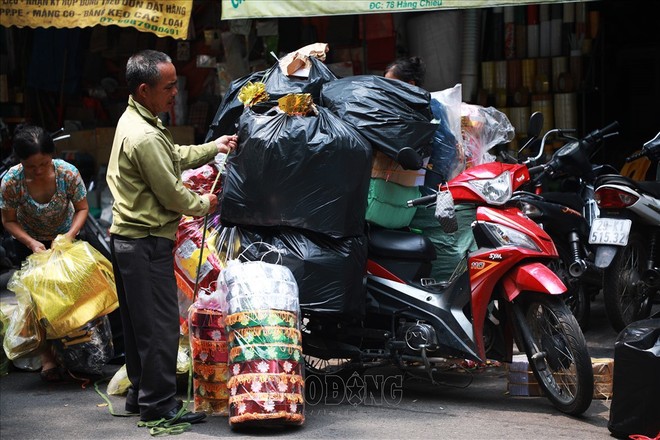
(165, 18)
(234, 9)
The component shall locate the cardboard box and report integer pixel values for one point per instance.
(522, 382)
(383, 167)
(603, 374)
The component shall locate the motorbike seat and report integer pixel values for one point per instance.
(402, 245)
(651, 188)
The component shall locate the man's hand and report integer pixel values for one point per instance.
(213, 202)
(227, 143)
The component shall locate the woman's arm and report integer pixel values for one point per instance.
(79, 218)
(12, 226)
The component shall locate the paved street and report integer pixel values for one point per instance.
(31, 409)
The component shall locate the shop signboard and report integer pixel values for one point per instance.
(235, 9)
(165, 18)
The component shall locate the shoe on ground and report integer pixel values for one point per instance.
(132, 408)
(186, 417)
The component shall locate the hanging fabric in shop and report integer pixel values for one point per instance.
(233, 9)
(165, 18)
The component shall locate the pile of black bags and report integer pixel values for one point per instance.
(300, 183)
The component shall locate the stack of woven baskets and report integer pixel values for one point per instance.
(265, 382)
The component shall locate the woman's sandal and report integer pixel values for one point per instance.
(55, 374)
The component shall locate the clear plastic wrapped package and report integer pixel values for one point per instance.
(482, 128)
(209, 353)
(266, 383)
(24, 336)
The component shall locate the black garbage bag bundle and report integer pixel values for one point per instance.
(329, 271)
(309, 172)
(635, 408)
(277, 85)
(391, 114)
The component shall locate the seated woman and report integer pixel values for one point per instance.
(41, 198)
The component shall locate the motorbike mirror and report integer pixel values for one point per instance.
(409, 159)
(533, 131)
(535, 125)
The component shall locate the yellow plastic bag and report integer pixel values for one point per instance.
(24, 336)
(70, 284)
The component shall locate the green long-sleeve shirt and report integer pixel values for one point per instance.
(144, 176)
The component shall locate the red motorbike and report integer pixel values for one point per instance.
(505, 293)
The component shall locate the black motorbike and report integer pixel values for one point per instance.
(566, 214)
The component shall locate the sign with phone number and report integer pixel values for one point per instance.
(234, 9)
(165, 18)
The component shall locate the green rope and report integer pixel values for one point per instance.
(107, 400)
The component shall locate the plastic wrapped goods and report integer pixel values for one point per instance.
(308, 172)
(277, 85)
(87, 349)
(447, 156)
(70, 284)
(209, 353)
(265, 383)
(483, 128)
(391, 114)
(24, 336)
(329, 271)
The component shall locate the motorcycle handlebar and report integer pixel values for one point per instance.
(597, 135)
(421, 201)
(536, 169)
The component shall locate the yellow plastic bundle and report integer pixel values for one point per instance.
(70, 284)
(297, 104)
(24, 336)
(253, 93)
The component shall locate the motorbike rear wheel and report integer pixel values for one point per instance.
(626, 298)
(558, 354)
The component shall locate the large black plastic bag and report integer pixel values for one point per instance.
(277, 85)
(329, 271)
(635, 405)
(309, 172)
(391, 114)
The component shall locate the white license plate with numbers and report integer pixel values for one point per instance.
(612, 231)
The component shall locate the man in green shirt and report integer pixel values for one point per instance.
(144, 176)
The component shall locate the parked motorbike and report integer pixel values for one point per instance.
(627, 240)
(567, 215)
(506, 291)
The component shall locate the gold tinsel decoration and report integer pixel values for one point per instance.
(297, 104)
(253, 93)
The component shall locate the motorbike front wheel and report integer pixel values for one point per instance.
(627, 299)
(557, 352)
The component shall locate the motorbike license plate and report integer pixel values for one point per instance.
(611, 231)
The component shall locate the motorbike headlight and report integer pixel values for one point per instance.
(506, 236)
(496, 191)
